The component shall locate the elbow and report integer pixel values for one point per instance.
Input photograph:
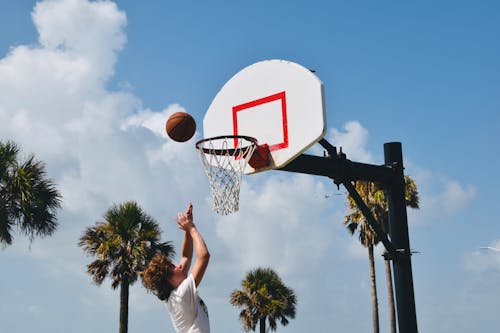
(205, 256)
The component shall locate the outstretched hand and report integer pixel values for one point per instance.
(185, 220)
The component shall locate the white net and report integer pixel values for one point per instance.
(224, 159)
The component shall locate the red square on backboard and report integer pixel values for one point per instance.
(277, 137)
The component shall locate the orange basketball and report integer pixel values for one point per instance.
(180, 126)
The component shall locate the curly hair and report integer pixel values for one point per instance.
(154, 277)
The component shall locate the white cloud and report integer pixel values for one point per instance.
(484, 259)
(276, 222)
(440, 197)
(91, 30)
(45, 89)
(34, 309)
(455, 196)
(154, 121)
(353, 141)
(100, 146)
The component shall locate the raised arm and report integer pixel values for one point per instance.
(193, 237)
(186, 253)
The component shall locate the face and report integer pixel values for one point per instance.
(177, 275)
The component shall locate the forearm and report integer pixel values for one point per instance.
(187, 246)
(200, 247)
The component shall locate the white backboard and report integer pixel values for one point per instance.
(278, 102)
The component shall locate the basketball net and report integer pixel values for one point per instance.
(224, 159)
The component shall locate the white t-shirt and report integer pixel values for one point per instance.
(188, 312)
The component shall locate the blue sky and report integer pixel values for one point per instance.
(87, 87)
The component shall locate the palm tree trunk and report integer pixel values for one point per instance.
(390, 296)
(373, 283)
(124, 290)
(262, 324)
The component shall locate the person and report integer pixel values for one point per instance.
(175, 285)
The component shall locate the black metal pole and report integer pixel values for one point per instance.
(398, 231)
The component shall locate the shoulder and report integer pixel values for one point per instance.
(187, 286)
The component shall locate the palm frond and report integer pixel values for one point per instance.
(28, 199)
(99, 270)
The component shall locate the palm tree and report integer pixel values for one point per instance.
(376, 201)
(264, 297)
(367, 237)
(28, 199)
(123, 244)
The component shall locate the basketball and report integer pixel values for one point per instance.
(180, 126)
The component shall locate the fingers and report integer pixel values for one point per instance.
(189, 212)
(181, 220)
(184, 220)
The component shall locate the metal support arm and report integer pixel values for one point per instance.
(338, 168)
(369, 218)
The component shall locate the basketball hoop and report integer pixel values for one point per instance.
(224, 159)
